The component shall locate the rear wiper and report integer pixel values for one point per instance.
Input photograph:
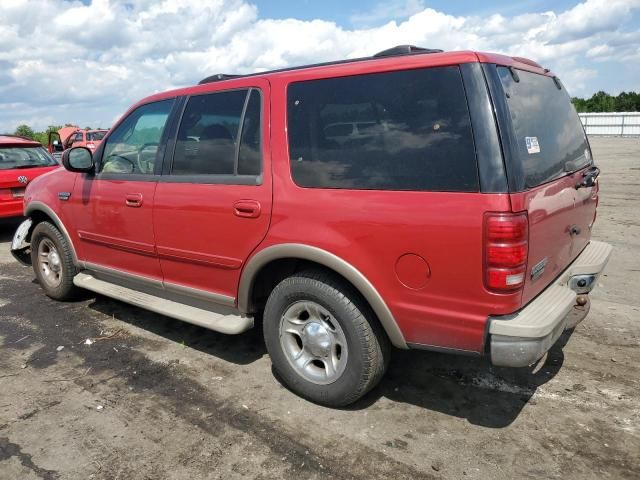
(588, 178)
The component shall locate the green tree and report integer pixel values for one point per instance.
(25, 131)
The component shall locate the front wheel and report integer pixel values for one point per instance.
(53, 262)
(324, 341)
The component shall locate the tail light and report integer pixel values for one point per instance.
(506, 247)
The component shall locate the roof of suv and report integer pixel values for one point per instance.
(414, 58)
(7, 140)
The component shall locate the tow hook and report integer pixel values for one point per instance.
(582, 300)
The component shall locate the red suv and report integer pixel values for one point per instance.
(21, 160)
(453, 214)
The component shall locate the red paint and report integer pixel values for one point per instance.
(12, 190)
(202, 235)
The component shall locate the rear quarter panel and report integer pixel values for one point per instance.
(371, 230)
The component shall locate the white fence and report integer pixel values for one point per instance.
(621, 124)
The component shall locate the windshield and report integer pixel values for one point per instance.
(551, 140)
(24, 157)
(95, 136)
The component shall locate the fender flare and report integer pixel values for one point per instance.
(331, 261)
(36, 206)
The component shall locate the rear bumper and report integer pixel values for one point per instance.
(521, 338)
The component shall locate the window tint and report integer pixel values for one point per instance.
(250, 155)
(206, 143)
(407, 130)
(133, 146)
(551, 141)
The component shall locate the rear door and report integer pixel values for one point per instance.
(213, 204)
(550, 154)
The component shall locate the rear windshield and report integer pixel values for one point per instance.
(21, 157)
(406, 130)
(550, 138)
(95, 136)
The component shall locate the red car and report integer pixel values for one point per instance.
(21, 161)
(453, 214)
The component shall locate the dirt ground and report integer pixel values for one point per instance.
(154, 398)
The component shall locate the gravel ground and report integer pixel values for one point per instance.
(155, 398)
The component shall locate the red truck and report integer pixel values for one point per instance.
(453, 214)
(68, 137)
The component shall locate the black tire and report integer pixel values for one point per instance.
(50, 235)
(368, 346)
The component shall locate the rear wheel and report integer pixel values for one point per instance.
(324, 341)
(53, 262)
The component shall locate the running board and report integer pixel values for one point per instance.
(225, 323)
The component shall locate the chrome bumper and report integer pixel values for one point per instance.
(521, 338)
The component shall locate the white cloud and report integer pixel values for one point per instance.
(63, 61)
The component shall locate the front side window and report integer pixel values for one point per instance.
(550, 138)
(133, 146)
(406, 130)
(212, 138)
(24, 157)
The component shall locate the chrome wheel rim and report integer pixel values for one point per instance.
(50, 263)
(313, 342)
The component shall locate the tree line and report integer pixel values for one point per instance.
(603, 102)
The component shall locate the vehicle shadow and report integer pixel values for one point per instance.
(8, 228)
(465, 387)
(239, 349)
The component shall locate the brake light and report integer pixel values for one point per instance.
(506, 244)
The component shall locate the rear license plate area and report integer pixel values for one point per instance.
(17, 192)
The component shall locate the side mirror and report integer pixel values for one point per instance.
(78, 159)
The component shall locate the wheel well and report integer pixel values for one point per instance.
(277, 270)
(38, 216)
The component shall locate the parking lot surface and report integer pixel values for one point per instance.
(147, 397)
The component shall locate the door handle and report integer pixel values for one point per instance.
(247, 208)
(133, 200)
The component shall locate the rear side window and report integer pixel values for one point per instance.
(406, 130)
(550, 139)
(219, 135)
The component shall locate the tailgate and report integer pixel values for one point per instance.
(560, 221)
(549, 157)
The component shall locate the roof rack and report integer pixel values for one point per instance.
(405, 50)
(391, 52)
(218, 77)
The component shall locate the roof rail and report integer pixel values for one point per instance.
(405, 50)
(398, 50)
(217, 77)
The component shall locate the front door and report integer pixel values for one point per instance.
(114, 208)
(213, 207)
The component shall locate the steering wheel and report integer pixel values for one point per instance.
(143, 166)
(120, 158)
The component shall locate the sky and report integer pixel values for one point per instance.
(86, 61)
